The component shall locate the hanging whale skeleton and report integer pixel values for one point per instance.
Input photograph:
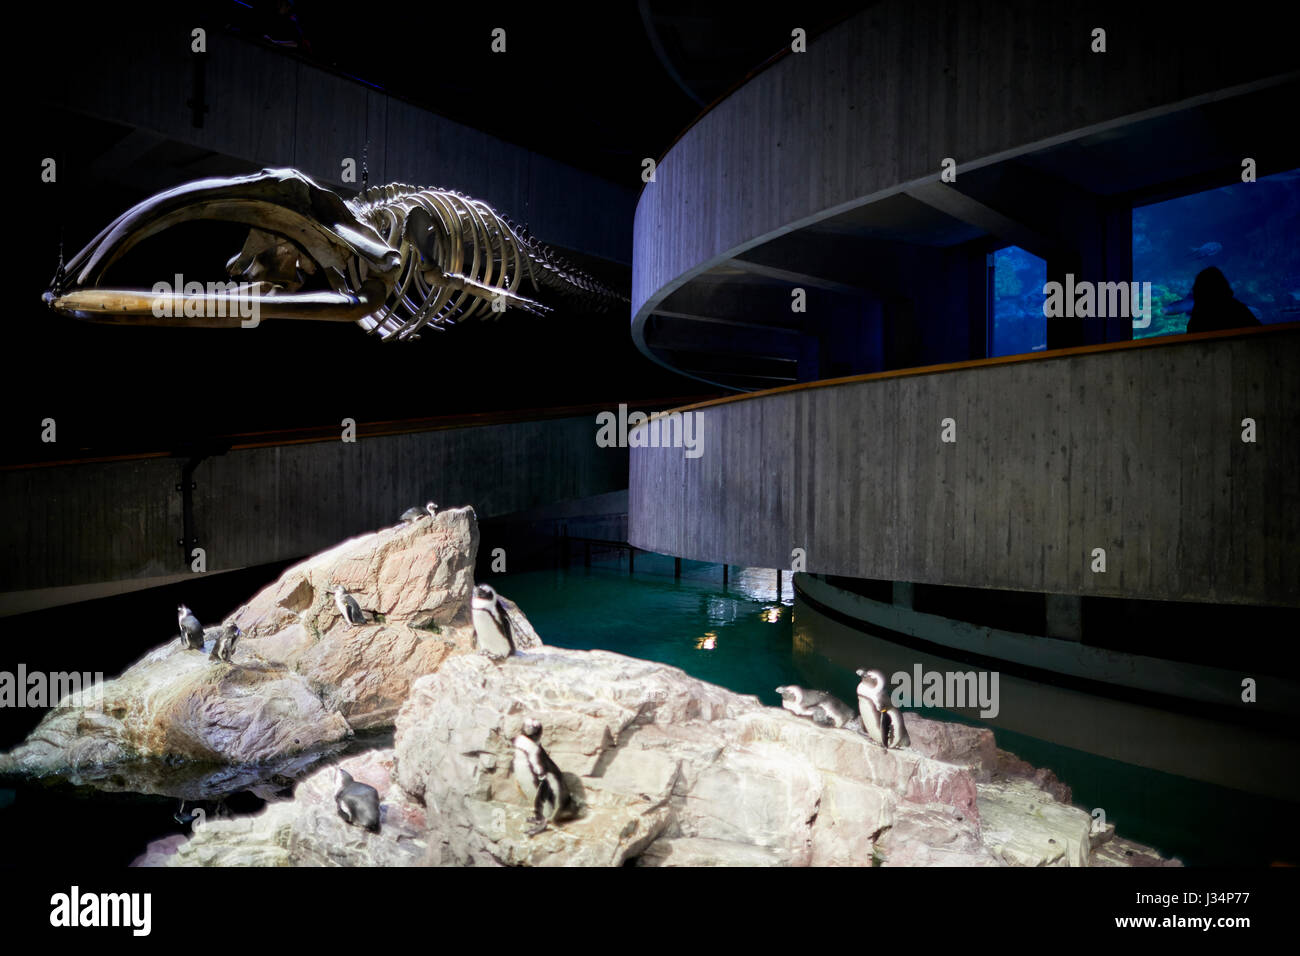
(397, 259)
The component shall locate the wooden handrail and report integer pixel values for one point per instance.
(320, 433)
(1153, 342)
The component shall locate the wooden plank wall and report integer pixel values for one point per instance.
(80, 524)
(1137, 451)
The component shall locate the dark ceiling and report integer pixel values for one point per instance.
(599, 86)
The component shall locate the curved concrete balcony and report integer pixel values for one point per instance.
(1131, 452)
(823, 173)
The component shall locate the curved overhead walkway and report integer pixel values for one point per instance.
(823, 173)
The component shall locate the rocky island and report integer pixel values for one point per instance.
(665, 769)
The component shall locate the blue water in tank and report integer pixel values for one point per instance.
(1249, 231)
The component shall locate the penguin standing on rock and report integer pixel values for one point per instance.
(540, 778)
(413, 514)
(358, 803)
(191, 629)
(825, 710)
(224, 648)
(348, 606)
(882, 721)
(491, 623)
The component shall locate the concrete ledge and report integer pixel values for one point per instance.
(1135, 450)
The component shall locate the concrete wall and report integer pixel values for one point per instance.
(877, 102)
(534, 538)
(80, 524)
(1133, 448)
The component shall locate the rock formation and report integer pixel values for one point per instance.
(301, 678)
(307, 830)
(670, 771)
(667, 770)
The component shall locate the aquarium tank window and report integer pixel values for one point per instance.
(1018, 321)
(1250, 231)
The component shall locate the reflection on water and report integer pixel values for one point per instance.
(1199, 822)
(198, 782)
(746, 637)
(126, 807)
(745, 640)
(738, 638)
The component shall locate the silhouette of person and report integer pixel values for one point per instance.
(1215, 307)
(283, 28)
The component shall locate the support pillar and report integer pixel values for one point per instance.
(1065, 616)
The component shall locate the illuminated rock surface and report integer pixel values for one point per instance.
(301, 678)
(308, 830)
(669, 770)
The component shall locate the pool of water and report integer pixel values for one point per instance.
(742, 636)
(738, 638)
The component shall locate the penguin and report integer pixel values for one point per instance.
(413, 514)
(540, 778)
(191, 629)
(224, 648)
(824, 709)
(358, 803)
(491, 623)
(872, 698)
(185, 819)
(348, 606)
(892, 729)
(882, 721)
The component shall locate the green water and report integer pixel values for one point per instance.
(1199, 823)
(739, 638)
(742, 638)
